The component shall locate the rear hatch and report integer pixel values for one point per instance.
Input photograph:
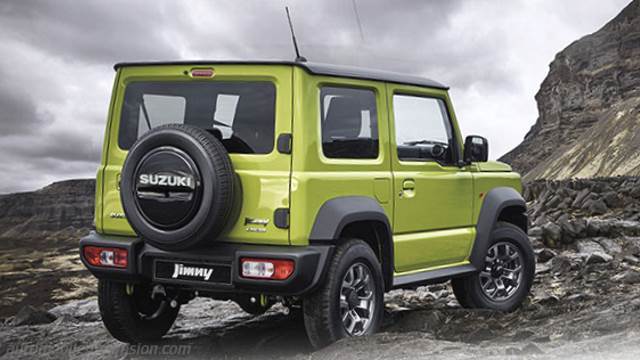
(247, 106)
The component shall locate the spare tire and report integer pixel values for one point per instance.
(177, 187)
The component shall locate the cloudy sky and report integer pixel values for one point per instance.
(56, 59)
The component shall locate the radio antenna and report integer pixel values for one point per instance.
(293, 37)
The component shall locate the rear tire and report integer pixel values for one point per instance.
(350, 301)
(500, 286)
(134, 318)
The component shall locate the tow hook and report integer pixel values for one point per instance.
(158, 293)
(173, 297)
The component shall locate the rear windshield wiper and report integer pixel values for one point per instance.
(145, 113)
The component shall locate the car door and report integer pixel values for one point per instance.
(433, 194)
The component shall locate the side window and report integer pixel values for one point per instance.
(349, 123)
(423, 129)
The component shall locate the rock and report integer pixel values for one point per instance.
(580, 198)
(523, 335)
(610, 246)
(554, 202)
(588, 247)
(598, 207)
(598, 258)
(551, 234)
(613, 200)
(631, 259)
(83, 310)
(542, 268)
(545, 255)
(535, 231)
(628, 277)
(561, 264)
(30, 315)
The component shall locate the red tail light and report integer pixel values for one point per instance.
(275, 269)
(202, 72)
(105, 257)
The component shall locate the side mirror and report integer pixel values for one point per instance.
(476, 149)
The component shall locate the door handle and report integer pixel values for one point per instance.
(408, 188)
(408, 184)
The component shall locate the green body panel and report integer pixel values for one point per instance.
(483, 182)
(493, 166)
(316, 179)
(433, 220)
(264, 179)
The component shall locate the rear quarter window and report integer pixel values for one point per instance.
(349, 123)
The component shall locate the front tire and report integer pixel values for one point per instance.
(350, 302)
(133, 316)
(507, 276)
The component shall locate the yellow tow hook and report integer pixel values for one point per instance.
(263, 300)
(129, 289)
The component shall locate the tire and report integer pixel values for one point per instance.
(122, 314)
(196, 207)
(323, 310)
(253, 308)
(507, 240)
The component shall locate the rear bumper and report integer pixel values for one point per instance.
(310, 262)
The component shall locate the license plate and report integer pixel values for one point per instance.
(193, 272)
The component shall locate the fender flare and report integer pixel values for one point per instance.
(339, 212)
(496, 200)
(335, 214)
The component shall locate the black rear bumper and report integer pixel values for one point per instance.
(310, 262)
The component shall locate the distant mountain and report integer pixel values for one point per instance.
(59, 210)
(589, 108)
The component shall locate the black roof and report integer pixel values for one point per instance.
(313, 68)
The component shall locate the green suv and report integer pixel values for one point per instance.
(316, 186)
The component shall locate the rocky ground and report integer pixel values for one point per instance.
(585, 302)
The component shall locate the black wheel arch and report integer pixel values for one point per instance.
(500, 204)
(359, 217)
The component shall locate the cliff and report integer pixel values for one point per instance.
(589, 108)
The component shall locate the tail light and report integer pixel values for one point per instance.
(202, 72)
(275, 269)
(105, 257)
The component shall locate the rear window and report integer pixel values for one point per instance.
(240, 114)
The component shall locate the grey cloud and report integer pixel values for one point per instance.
(90, 31)
(17, 113)
(52, 121)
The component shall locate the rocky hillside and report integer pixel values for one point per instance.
(589, 108)
(62, 207)
(39, 233)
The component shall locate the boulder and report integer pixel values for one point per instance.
(545, 255)
(551, 234)
(598, 207)
(30, 315)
